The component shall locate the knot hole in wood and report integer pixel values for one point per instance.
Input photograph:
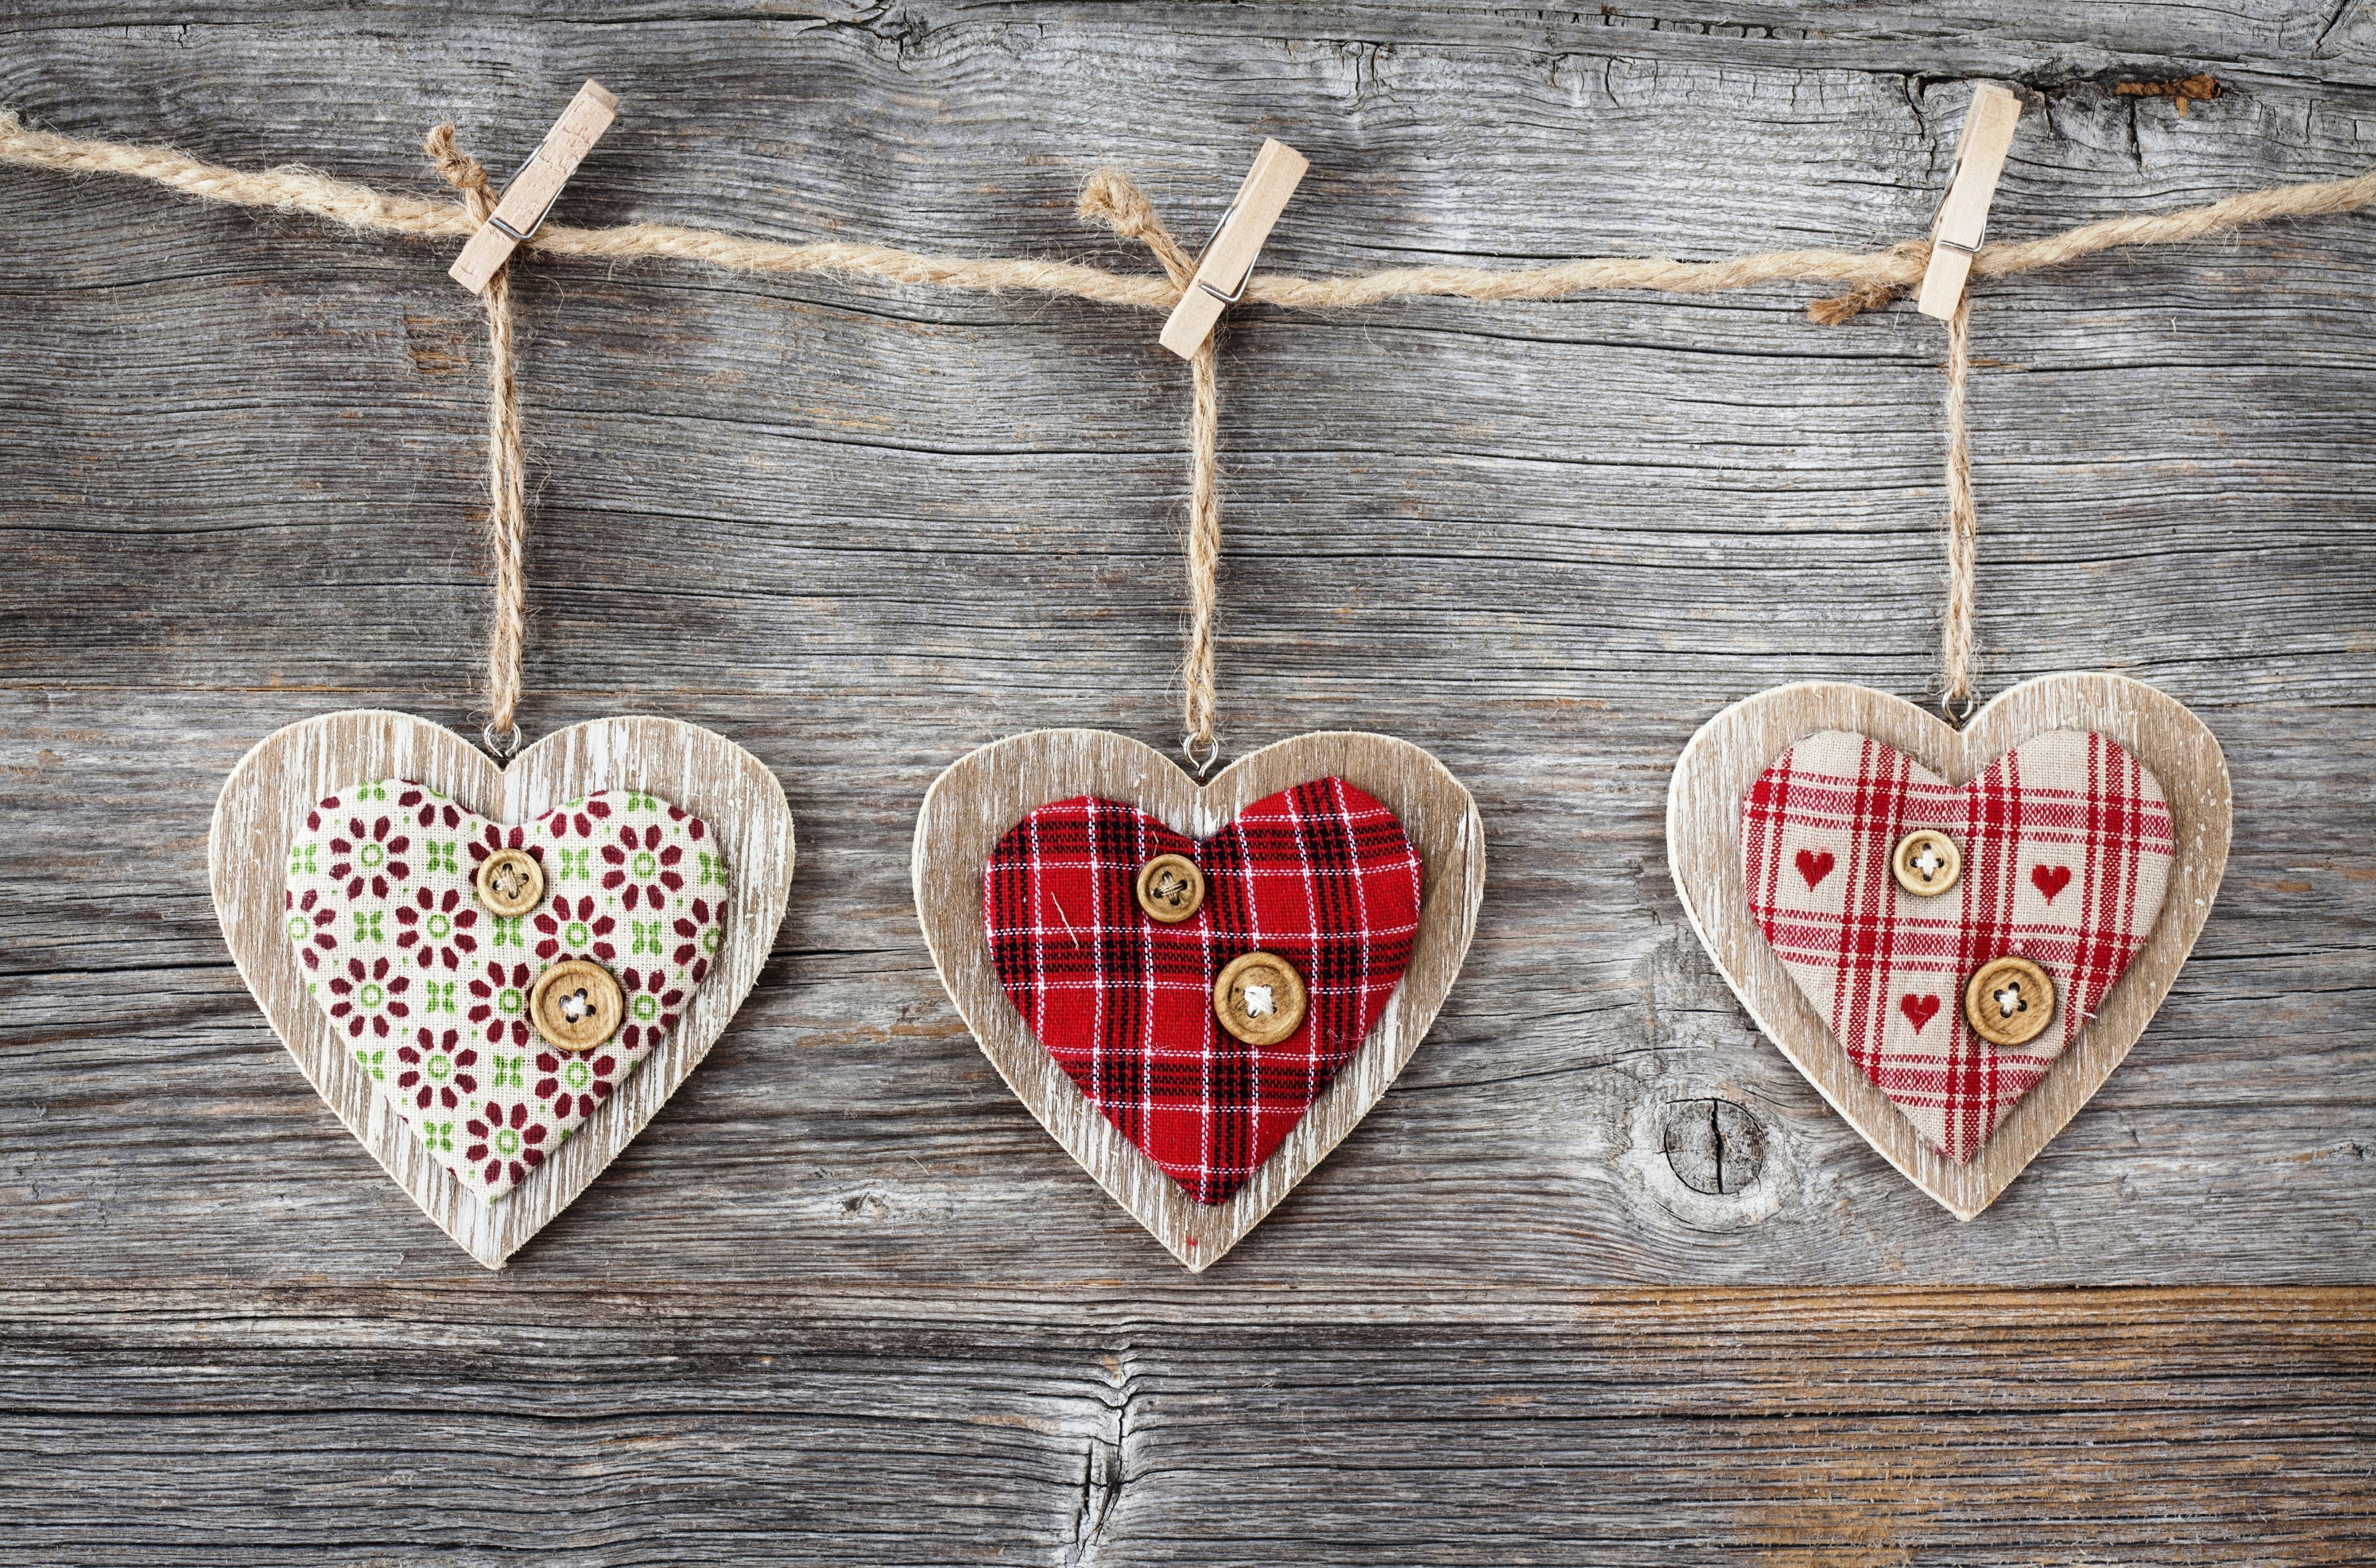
(1713, 1146)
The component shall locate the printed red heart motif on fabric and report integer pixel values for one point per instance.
(1815, 866)
(2065, 806)
(1320, 875)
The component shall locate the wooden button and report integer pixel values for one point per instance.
(1259, 998)
(2009, 1000)
(1170, 888)
(577, 1004)
(1926, 862)
(510, 881)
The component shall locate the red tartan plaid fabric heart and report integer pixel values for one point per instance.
(2066, 847)
(1320, 875)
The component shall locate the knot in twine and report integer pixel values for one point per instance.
(506, 472)
(1110, 198)
(1895, 272)
(462, 171)
(1900, 268)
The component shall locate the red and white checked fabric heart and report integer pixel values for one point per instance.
(1320, 875)
(2066, 845)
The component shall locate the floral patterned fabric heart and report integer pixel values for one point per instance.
(431, 989)
(2066, 845)
(1320, 875)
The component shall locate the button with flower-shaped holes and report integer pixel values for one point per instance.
(511, 883)
(1926, 862)
(2009, 1000)
(1170, 888)
(1259, 998)
(577, 1004)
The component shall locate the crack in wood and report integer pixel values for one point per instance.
(1713, 1145)
(1104, 1462)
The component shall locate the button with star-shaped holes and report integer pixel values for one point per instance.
(2009, 1000)
(575, 1004)
(510, 881)
(1259, 998)
(1926, 862)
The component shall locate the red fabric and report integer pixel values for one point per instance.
(2067, 846)
(1320, 875)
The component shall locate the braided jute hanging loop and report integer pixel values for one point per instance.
(1962, 525)
(507, 480)
(1110, 198)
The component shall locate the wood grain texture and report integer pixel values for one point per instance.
(1604, 1279)
(264, 805)
(734, 1425)
(1704, 803)
(986, 793)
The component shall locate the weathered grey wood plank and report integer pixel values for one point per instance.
(725, 1426)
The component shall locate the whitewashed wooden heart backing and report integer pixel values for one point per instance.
(987, 792)
(263, 804)
(1704, 805)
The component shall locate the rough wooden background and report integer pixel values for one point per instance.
(1601, 1280)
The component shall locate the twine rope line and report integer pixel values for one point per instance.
(1872, 280)
(295, 189)
(506, 468)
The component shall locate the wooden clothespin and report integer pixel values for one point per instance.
(531, 194)
(1229, 258)
(1964, 215)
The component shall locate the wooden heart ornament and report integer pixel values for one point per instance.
(1956, 936)
(1199, 991)
(496, 975)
